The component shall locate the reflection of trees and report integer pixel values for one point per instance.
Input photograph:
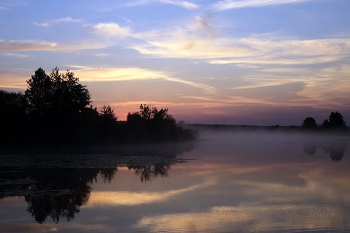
(65, 206)
(54, 192)
(310, 148)
(54, 187)
(107, 174)
(335, 148)
(147, 172)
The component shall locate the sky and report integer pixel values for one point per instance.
(254, 62)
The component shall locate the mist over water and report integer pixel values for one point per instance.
(223, 182)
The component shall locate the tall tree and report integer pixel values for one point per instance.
(56, 93)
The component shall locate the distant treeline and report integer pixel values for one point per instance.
(256, 128)
(56, 110)
(335, 124)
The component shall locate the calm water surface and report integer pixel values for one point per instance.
(229, 182)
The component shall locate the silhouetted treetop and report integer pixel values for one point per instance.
(56, 93)
(335, 120)
(151, 124)
(309, 123)
(12, 103)
(11, 98)
(148, 112)
(107, 113)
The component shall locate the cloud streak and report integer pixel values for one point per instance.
(41, 24)
(236, 4)
(132, 74)
(30, 45)
(16, 55)
(183, 4)
(59, 21)
(68, 20)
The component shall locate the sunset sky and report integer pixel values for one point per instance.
(256, 62)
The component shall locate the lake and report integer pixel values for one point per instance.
(223, 182)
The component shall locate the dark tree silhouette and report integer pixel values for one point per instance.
(58, 110)
(151, 124)
(325, 124)
(335, 121)
(55, 111)
(107, 113)
(309, 123)
(12, 117)
(11, 101)
(56, 93)
(148, 112)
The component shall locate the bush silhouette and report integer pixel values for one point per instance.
(151, 124)
(309, 123)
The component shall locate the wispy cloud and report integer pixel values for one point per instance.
(16, 55)
(41, 24)
(49, 46)
(130, 74)
(111, 30)
(199, 40)
(183, 4)
(196, 40)
(27, 46)
(290, 52)
(59, 21)
(234, 4)
(137, 103)
(68, 20)
(99, 54)
(8, 4)
(126, 19)
(14, 78)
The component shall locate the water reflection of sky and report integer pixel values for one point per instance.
(239, 183)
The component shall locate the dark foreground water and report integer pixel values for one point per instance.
(221, 183)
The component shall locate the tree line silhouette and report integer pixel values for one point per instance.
(56, 109)
(335, 122)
